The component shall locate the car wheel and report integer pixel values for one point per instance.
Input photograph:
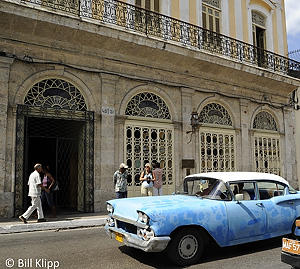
(186, 247)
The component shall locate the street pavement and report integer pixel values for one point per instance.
(91, 248)
(71, 221)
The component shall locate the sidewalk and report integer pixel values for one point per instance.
(14, 225)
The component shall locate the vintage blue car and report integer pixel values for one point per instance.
(228, 208)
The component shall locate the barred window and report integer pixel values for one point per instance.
(147, 105)
(264, 121)
(266, 144)
(217, 146)
(211, 15)
(150, 141)
(217, 150)
(146, 143)
(215, 114)
(55, 93)
(266, 150)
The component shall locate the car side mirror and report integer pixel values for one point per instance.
(239, 197)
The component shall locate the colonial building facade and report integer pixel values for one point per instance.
(196, 85)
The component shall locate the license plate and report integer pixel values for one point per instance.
(119, 237)
(291, 246)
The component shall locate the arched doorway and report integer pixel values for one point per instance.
(217, 139)
(54, 127)
(266, 144)
(149, 136)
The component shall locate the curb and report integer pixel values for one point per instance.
(65, 224)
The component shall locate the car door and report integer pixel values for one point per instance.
(280, 207)
(246, 218)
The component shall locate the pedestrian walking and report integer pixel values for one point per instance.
(147, 178)
(158, 173)
(120, 181)
(35, 187)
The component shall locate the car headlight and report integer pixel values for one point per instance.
(110, 208)
(142, 217)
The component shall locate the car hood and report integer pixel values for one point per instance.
(160, 208)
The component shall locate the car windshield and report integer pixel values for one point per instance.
(210, 188)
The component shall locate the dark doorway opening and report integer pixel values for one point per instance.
(41, 131)
(57, 143)
(259, 42)
(260, 37)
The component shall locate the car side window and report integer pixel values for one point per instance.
(268, 190)
(245, 188)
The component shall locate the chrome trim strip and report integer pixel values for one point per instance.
(136, 223)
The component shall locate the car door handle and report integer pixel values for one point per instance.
(260, 204)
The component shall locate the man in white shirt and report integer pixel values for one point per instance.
(35, 186)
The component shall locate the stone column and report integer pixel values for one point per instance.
(189, 139)
(6, 196)
(289, 160)
(245, 149)
(119, 139)
(107, 142)
(179, 145)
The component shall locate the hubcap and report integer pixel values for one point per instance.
(188, 247)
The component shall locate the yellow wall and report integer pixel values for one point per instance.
(193, 9)
(275, 32)
(175, 13)
(232, 26)
(285, 45)
(245, 22)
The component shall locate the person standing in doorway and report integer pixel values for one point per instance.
(47, 197)
(120, 181)
(158, 173)
(35, 187)
(147, 178)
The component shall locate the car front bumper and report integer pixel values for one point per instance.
(155, 244)
(293, 260)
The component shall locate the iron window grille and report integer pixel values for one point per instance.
(266, 144)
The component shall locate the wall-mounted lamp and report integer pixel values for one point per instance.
(195, 122)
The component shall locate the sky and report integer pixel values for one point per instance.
(292, 8)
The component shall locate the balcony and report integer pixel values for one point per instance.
(168, 29)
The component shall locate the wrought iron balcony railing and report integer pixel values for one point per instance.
(166, 28)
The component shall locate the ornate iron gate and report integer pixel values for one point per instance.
(84, 147)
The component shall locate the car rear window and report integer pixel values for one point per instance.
(268, 190)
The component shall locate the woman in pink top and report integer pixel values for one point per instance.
(47, 198)
(158, 172)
